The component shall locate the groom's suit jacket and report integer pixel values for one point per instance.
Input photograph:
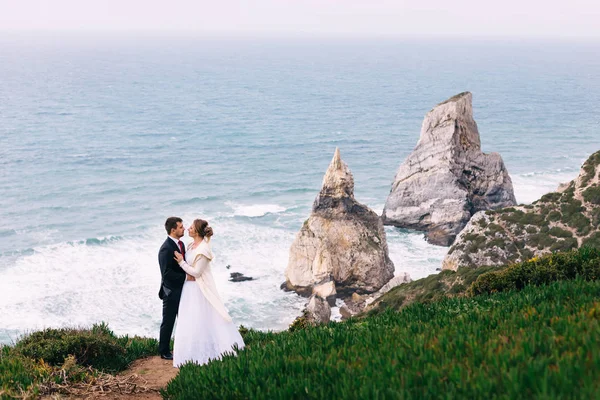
(173, 277)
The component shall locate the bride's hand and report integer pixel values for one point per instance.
(178, 257)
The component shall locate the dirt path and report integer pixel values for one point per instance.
(155, 371)
(144, 378)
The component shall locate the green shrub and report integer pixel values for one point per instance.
(539, 240)
(524, 218)
(589, 167)
(544, 211)
(552, 197)
(300, 323)
(572, 215)
(592, 241)
(97, 347)
(431, 288)
(592, 194)
(572, 207)
(596, 217)
(474, 242)
(135, 348)
(568, 195)
(558, 232)
(539, 271)
(554, 216)
(581, 223)
(493, 229)
(531, 229)
(564, 245)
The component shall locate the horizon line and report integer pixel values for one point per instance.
(218, 34)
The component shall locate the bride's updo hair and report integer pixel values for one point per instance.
(202, 228)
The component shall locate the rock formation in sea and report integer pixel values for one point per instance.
(558, 221)
(447, 179)
(342, 242)
(239, 277)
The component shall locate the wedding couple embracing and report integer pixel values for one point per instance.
(204, 328)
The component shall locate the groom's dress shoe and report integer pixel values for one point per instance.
(166, 356)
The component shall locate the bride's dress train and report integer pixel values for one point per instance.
(204, 328)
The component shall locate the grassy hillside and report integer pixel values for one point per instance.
(541, 342)
(583, 262)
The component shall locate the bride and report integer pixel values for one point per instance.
(204, 328)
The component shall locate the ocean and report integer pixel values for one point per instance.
(103, 137)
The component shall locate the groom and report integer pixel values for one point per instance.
(171, 284)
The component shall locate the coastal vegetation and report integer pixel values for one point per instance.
(541, 342)
(49, 361)
(559, 221)
(527, 330)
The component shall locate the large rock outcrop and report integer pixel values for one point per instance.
(558, 221)
(447, 179)
(342, 241)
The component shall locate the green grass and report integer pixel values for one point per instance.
(535, 334)
(541, 342)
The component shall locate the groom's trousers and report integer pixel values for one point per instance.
(169, 313)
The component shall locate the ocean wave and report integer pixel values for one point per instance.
(101, 240)
(12, 253)
(277, 191)
(255, 210)
(558, 171)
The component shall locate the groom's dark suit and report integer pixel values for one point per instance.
(173, 278)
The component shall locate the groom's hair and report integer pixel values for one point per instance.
(171, 224)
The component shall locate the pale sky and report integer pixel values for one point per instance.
(471, 18)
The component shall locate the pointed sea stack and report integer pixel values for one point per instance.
(447, 179)
(342, 241)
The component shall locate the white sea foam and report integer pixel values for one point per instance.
(412, 254)
(255, 210)
(531, 186)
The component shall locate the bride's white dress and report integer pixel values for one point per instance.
(204, 328)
